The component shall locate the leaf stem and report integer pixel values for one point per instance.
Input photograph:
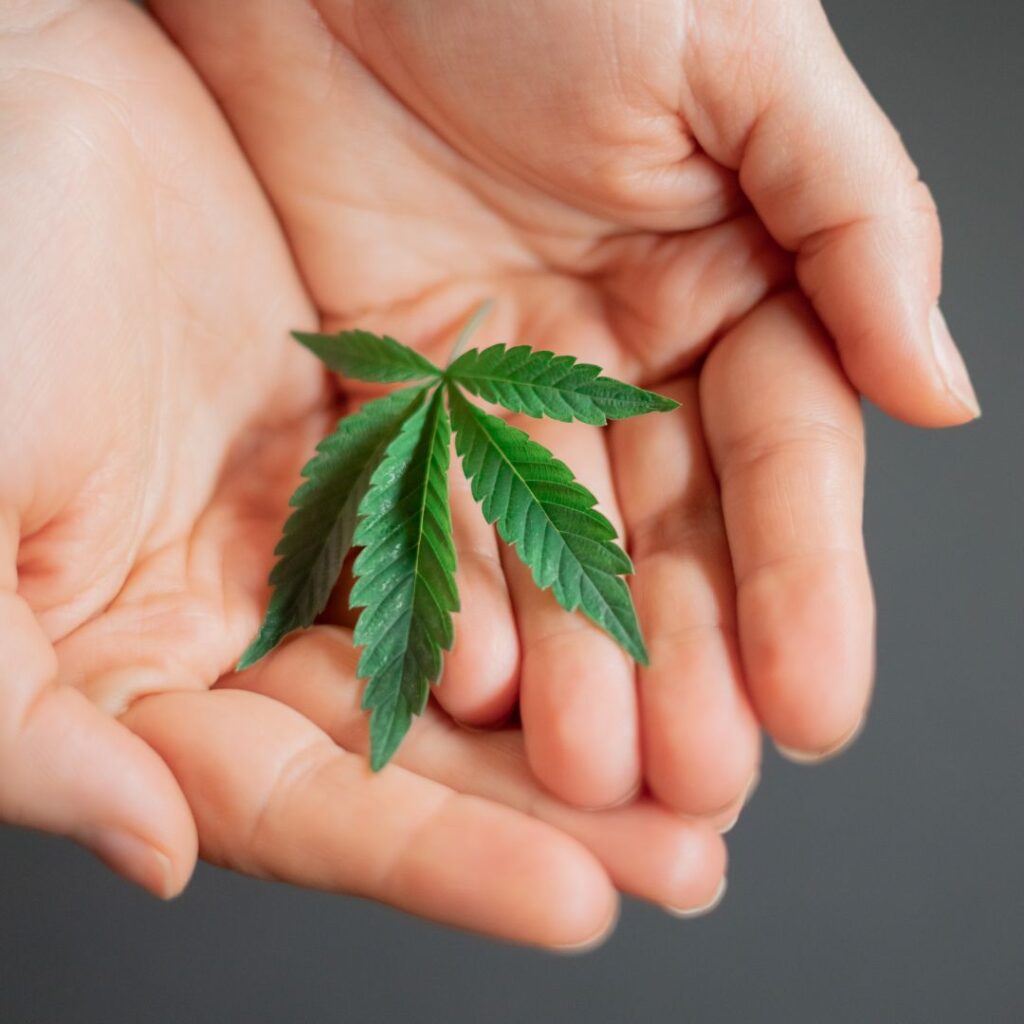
(476, 318)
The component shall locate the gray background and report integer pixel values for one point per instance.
(884, 887)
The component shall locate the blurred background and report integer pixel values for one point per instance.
(884, 887)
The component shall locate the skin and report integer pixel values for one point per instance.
(154, 415)
(694, 196)
(664, 193)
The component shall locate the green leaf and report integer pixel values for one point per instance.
(366, 356)
(318, 534)
(405, 576)
(550, 518)
(543, 384)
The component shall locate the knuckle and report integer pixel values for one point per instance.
(813, 442)
(297, 774)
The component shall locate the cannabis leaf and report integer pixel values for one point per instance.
(318, 534)
(380, 482)
(543, 384)
(366, 356)
(405, 576)
(539, 507)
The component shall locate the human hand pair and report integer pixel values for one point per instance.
(156, 417)
(153, 419)
(658, 188)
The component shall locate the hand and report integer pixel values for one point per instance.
(153, 419)
(693, 195)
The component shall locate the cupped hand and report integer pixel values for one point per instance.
(153, 419)
(699, 196)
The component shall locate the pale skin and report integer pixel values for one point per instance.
(701, 197)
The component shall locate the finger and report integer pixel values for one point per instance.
(275, 798)
(67, 768)
(577, 686)
(648, 851)
(480, 681)
(701, 741)
(725, 820)
(829, 176)
(785, 434)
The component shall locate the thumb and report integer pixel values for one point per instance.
(832, 182)
(67, 768)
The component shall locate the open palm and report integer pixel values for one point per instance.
(153, 419)
(650, 187)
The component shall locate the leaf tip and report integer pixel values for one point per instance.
(637, 647)
(253, 653)
(662, 403)
(315, 343)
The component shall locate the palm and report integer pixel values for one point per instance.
(174, 415)
(417, 171)
(163, 416)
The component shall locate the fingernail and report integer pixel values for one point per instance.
(133, 858)
(729, 825)
(817, 756)
(755, 781)
(627, 798)
(577, 948)
(687, 912)
(752, 785)
(951, 364)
